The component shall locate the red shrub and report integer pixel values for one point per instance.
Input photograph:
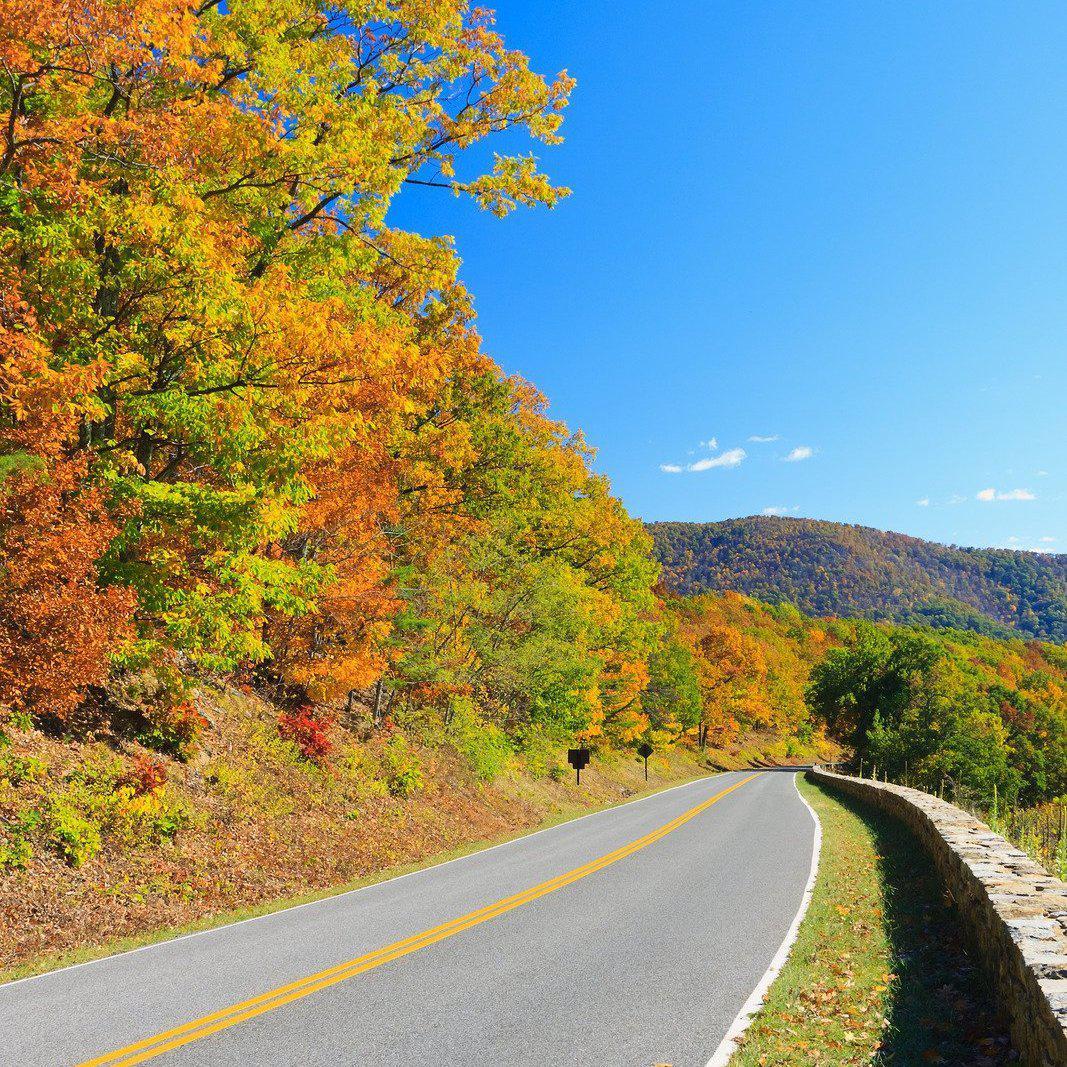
(306, 727)
(146, 774)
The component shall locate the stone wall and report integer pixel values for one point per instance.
(1015, 911)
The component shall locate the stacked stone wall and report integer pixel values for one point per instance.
(1014, 911)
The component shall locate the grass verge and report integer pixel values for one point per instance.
(52, 961)
(879, 973)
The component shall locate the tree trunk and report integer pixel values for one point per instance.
(382, 698)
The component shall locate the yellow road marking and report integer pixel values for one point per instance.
(153, 1046)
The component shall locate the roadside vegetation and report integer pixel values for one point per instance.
(1040, 831)
(250, 826)
(979, 720)
(879, 973)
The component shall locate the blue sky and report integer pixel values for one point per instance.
(842, 226)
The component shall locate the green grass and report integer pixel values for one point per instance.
(879, 973)
(53, 961)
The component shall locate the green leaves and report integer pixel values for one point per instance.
(961, 711)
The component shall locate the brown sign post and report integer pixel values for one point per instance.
(578, 758)
(645, 750)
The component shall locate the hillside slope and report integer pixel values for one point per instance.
(828, 568)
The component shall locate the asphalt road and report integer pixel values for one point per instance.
(629, 937)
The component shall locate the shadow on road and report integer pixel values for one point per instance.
(943, 1011)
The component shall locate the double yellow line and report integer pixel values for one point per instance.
(149, 1047)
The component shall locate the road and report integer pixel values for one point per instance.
(629, 937)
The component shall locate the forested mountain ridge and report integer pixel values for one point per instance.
(829, 568)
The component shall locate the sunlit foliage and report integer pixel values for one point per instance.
(957, 713)
(831, 568)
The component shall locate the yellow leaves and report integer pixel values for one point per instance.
(514, 181)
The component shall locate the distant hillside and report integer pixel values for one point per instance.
(828, 568)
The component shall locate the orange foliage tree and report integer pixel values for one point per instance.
(57, 626)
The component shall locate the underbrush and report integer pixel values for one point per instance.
(1039, 831)
(68, 810)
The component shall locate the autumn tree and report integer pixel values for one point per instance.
(524, 582)
(672, 699)
(729, 666)
(57, 626)
(201, 192)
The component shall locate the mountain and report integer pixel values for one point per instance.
(830, 568)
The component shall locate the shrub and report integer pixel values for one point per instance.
(146, 774)
(403, 776)
(171, 728)
(483, 745)
(16, 851)
(73, 836)
(19, 769)
(105, 800)
(307, 729)
(152, 704)
(148, 818)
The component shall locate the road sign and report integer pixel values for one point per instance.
(645, 750)
(578, 758)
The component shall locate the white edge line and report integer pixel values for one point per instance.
(363, 888)
(728, 1046)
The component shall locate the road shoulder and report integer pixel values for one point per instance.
(880, 967)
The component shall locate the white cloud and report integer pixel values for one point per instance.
(956, 498)
(759, 440)
(923, 502)
(779, 510)
(1047, 540)
(730, 458)
(987, 495)
(711, 444)
(1042, 474)
(799, 453)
